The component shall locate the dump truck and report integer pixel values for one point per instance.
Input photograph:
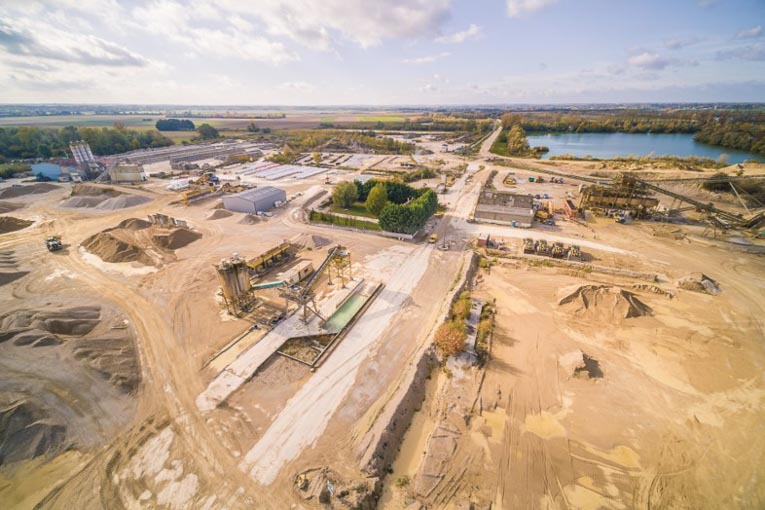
(557, 250)
(528, 245)
(540, 247)
(53, 243)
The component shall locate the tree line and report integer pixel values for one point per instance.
(174, 125)
(33, 143)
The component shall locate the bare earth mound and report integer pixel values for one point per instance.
(102, 199)
(176, 239)
(33, 189)
(112, 249)
(26, 431)
(604, 303)
(698, 282)
(249, 219)
(6, 207)
(218, 214)
(11, 224)
(310, 241)
(68, 373)
(136, 240)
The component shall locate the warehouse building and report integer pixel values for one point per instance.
(127, 173)
(255, 200)
(504, 208)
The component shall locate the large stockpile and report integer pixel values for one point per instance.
(102, 198)
(51, 356)
(32, 189)
(310, 241)
(604, 303)
(136, 240)
(11, 224)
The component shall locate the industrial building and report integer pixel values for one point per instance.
(127, 173)
(82, 153)
(178, 155)
(255, 200)
(504, 208)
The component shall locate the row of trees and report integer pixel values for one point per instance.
(309, 140)
(174, 125)
(745, 136)
(32, 142)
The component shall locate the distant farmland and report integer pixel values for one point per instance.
(296, 120)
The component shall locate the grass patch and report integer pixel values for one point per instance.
(332, 219)
(357, 209)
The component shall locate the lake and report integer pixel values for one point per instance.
(612, 145)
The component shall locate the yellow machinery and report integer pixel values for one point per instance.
(260, 263)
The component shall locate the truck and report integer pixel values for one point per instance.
(575, 252)
(528, 245)
(557, 250)
(53, 243)
(540, 247)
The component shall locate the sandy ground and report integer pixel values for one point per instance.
(681, 392)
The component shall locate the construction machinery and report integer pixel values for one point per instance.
(575, 252)
(53, 243)
(262, 262)
(557, 251)
(528, 245)
(540, 247)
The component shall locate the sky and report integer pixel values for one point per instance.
(381, 52)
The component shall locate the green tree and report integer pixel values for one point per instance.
(517, 144)
(377, 199)
(253, 128)
(450, 338)
(207, 132)
(345, 194)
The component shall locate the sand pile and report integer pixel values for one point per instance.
(11, 224)
(698, 282)
(8, 261)
(111, 248)
(6, 207)
(218, 214)
(133, 224)
(176, 239)
(91, 339)
(249, 219)
(604, 303)
(27, 431)
(136, 240)
(103, 199)
(310, 241)
(33, 189)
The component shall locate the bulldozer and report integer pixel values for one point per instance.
(528, 245)
(53, 243)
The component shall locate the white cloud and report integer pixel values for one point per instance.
(42, 41)
(750, 33)
(427, 59)
(471, 32)
(678, 43)
(753, 52)
(648, 60)
(316, 23)
(298, 86)
(517, 8)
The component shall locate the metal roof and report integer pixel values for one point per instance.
(256, 193)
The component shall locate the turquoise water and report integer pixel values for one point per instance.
(612, 145)
(345, 313)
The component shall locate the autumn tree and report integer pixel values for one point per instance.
(450, 338)
(377, 199)
(345, 194)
